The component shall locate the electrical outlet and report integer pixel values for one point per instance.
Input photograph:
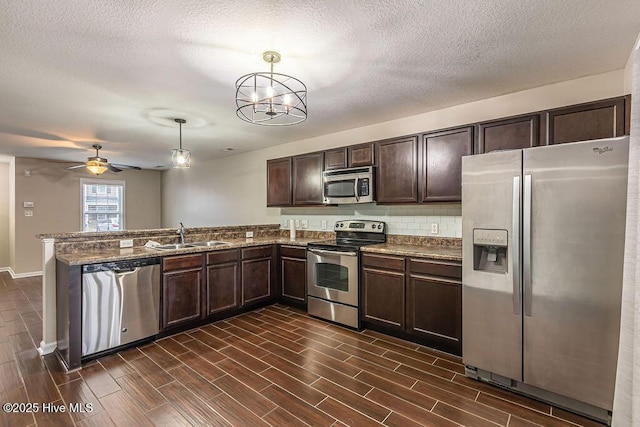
(304, 223)
(285, 224)
(324, 224)
(297, 223)
(249, 234)
(28, 212)
(126, 243)
(434, 228)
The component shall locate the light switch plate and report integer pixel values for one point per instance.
(434, 228)
(249, 234)
(27, 204)
(128, 243)
(305, 223)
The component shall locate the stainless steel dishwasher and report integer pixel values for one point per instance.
(120, 303)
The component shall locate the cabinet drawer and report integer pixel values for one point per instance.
(436, 268)
(222, 257)
(257, 252)
(293, 251)
(384, 262)
(181, 262)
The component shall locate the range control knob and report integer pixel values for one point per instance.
(373, 226)
(341, 224)
(379, 226)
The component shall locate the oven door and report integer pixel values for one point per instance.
(333, 275)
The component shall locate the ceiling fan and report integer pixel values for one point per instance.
(98, 165)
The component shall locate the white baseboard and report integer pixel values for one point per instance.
(46, 348)
(15, 275)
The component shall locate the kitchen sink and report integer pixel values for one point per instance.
(207, 244)
(173, 246)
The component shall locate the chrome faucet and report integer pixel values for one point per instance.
(181, 231)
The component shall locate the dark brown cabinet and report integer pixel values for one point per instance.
(414, 298)
(307, 179)
(223, 281)
(293, 274)
(257, 275)
(335, 159)
(181, 289)
(279, 182)
(594, 120)
(434, 300)
(383, 290)
(396, 172)
(441, 164)
(361, 155)
(513, 133)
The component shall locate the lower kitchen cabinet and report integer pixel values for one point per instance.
(435, 304)
(383, 290)
(257, 275)
(182, 284)
(293, 274)
(223, 281)
(413, 298)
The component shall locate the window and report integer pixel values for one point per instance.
(102, 205)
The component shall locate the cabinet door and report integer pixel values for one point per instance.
(361, 155)
(307, 179)
(383, 297)
(594, 120)
(294, 278)
(514, 133)
(223, 288)
(335, 159)
(397, 170)
(441, 164)
(435, 311)
(256, 280)
(181, 297)
(279, 182)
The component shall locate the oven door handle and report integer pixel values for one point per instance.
(324, 252)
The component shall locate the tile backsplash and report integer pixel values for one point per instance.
(404, 220)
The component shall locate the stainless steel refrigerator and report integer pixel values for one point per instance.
(543, 243)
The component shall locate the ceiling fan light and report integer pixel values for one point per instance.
(96, 168)
(181, 158)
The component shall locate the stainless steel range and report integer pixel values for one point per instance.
(333, 271)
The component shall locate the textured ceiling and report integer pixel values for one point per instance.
(73, 73)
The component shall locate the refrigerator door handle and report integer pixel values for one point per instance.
(526, 246)
(515, 246)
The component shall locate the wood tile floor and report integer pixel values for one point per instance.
(274, 366)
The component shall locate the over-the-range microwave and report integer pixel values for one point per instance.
(352, 185)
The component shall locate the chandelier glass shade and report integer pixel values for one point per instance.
(181, 158)
(271, 99)
(96, 167)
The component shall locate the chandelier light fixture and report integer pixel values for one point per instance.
(180, 157)
(271, 99)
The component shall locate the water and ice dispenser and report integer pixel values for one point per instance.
(490, 250)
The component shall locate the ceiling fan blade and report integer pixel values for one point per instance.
(113, 168)
(126, 166)
(77, 166)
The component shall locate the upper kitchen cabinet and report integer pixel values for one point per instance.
(396, 172)
(307, 179)
(594, 120)
(361, 155)
(441, 159)
(508, 134)
(335, 159)
(279, 182)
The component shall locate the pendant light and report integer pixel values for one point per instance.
(180, 157)
(271, 99)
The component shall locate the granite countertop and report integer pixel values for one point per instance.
(110, 255)
(450, 253)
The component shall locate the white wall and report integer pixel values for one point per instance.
(5, 258)
(232, 190)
